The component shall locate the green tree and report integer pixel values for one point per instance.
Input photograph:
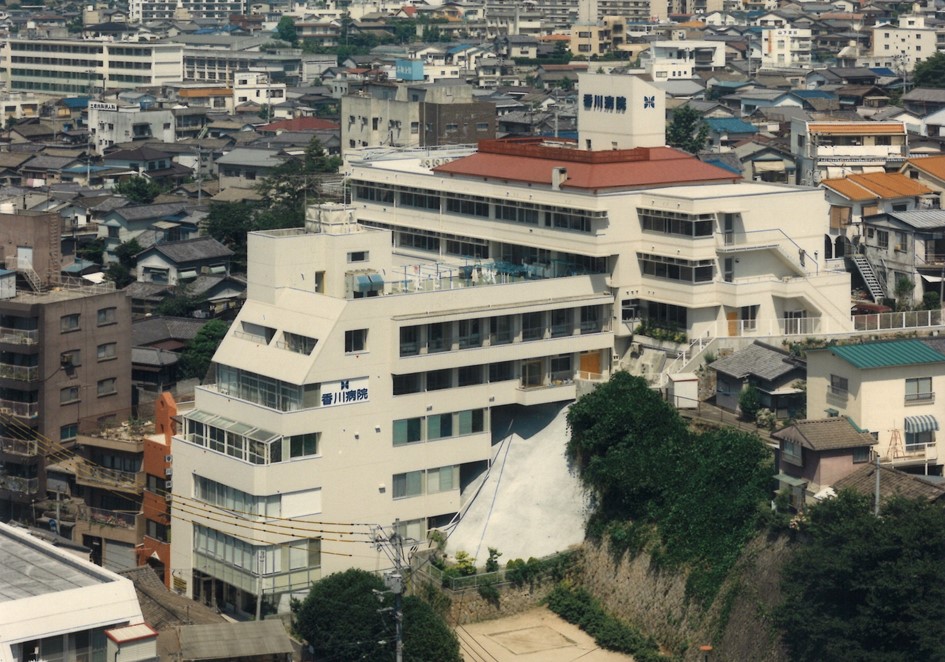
(687, 131)
(286, 31)
(93, 251)
(866, 588)
(342, 618)
(930, 72)
(118, 274)
(228, 223)
(127, 253)
(903, 291)
(749, 402)
(181, 304)
(196, 357)
(293, 184)
(139, 190)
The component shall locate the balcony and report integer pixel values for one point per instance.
(95, 476)
(28, 448)
(20, 409)
(13, 336)
(110, 518)
(18, 484)
(22, 373)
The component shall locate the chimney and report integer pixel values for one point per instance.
(558, 177)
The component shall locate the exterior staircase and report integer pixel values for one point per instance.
(869, 277)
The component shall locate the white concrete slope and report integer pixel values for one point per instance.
(530, 504)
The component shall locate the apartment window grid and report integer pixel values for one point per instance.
(664, 221)
(919, 390)
(425, 481)
(434, 427)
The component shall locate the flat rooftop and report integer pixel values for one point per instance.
(29, 568)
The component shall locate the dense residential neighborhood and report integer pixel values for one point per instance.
(331, 303)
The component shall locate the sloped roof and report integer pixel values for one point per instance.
(300, 124)
(153, 356)
(892, 483)
(886, 354)
(757, 360)
(933, 165)
(530, 161)
(234, 640)
(858, 128)
(191, 250)
(876, 186)
(730, 125)
(142, 212)
(825, 434)
(157, 329)
(921, 219)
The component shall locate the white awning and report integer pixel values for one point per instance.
(768, 166)
(933, 279)
(189, 273)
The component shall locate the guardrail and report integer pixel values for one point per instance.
(909, 319)
(103, 517)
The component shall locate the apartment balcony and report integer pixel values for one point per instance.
(859, 152)
(20, 409)
(117, 525)
(21, 373)
(13, 336)
(18, 484)
(95, 476)
(24, 447)
(913, 454)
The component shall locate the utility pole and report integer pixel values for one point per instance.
(392, 544)
(260, 564)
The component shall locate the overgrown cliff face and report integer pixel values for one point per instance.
(737, 625)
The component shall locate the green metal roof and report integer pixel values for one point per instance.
(887, 354)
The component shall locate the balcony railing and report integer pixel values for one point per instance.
(21, 373)
(17, 484)
(18, 336)
(103, 517)
(21, 409)
(110, 477)
(910, 319)
(19, 446)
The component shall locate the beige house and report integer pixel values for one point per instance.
(888, 389)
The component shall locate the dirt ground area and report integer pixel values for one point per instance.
(537, 635)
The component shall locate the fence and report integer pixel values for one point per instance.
(443, 579)
(908, 319)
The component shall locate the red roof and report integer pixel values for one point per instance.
(300, 124)
(409, 10)
(530, 161)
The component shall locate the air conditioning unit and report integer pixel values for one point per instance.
(169, 472)
(168, 496)
(168, 485)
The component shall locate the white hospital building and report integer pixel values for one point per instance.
(360, 382)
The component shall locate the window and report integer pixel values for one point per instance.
(919, 389)
(469, 375)
(791, 452)
(916, 441)
(70, 359)
(443, 479)
(882, 239)
(410, 341)
(303, 445)
(355, 340)
(408, 484)
(500, 372)
(469, 335)
(749, 317)
(839, 385)
(440, 337)
(107, 386)
(500, 330)
(107, 351)
(69, 432)
(439, 426)
(561, 323)
(404, 384)
(861, 454)
(407, 431)
(414, 128)
(69, 394)
(533, 326)
(106, 316)
(471, 421)
(69, 323)
(438, 380)
(358, 256)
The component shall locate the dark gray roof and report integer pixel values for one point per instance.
(157, 329)
(825, 434)
(757, 360)
(230, 641)
(892, 482)
(153, 356)
(43, 162)
(143, 212)
(925, 94)
(192, 250)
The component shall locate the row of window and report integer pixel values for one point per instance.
(561, 218)
(499, 330)
(671, 268)
(918, 389)
(266, 391)
(103, 388)
(230, 498)
(249, 444)
(677, 223)
(72, 322)
(425, 481)
(297, 555)
(438, 426)
(104, 352)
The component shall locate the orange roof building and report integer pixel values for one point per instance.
(929, 170)
(876, 186)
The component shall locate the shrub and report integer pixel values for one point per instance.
(749, 402)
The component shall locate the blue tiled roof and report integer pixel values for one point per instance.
(813, 94)
(885, 71)
(730, 125)
(76, 102)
